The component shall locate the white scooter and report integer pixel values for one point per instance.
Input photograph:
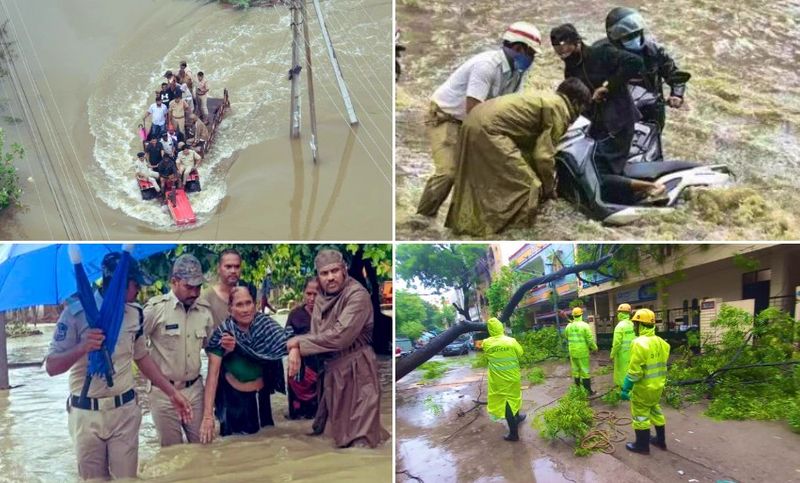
(579, 180)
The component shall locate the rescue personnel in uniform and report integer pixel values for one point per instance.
(505, 390)
(580, 339)
(105, 426)
(484, 76)
(177, 326)
(621, 346)
(644, 383)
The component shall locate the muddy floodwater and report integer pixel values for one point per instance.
(85, 71)
(444, 434)
(36, 447)
(742, 108)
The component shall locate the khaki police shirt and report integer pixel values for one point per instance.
(130, 346)
(177, 108)
(218, 307)
(176, 335)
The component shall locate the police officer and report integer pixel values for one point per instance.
(580, 340)
(644, 383)
(625, 30)
(177, 326)
(621, 346)
(105, 426)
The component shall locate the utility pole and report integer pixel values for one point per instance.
(348, 104)
(310, 78)
(294, 72)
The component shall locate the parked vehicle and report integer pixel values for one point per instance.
(403, 347)
(458, 347)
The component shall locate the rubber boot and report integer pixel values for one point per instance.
(642, 444)
(660, 439)
(587, 384)
(513, 425)
(577, 381)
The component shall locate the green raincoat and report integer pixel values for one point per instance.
(506, 161)
(503, 353)
(648, 371)
(580, 340)
(621, 347)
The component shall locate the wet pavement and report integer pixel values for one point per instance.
(443, 435)
(742, 109)
(36, 447)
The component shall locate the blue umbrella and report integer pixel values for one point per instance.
(43, 274)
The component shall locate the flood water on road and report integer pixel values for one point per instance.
(35, 443)
(743, 107)
(86, 74)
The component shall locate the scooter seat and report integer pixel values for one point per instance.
(655, 170)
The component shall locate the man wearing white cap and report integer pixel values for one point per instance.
(482, 77)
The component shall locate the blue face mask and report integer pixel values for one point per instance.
(635, 43)
(522, 62)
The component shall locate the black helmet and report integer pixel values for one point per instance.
(623, 22)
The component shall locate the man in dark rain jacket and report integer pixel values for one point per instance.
(606, 71)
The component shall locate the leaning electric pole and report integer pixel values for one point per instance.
(298, 10)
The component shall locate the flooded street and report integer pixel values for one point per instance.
(36, 447)
(444, 435)
(742, 108)
(83, 78)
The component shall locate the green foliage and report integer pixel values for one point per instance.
(433, 406)
(415, 313)
(536, 375)
(572, 417)
(441, 266)
(291, 264)
(768, 393)
(411, 329)
(500, 291)
(481, 361)
(541, 344)
(10, 190)
(603, 370)
(794, 416)
(745, 263)
(432, 370)
(576, 303)
(628, 259)
(612, 398)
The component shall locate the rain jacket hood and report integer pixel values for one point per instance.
(621, 346)
(495, 327)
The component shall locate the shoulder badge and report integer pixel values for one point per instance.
(61, 332)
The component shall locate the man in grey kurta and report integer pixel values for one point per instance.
(341, 328)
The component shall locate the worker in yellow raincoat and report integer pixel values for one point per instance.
(621, 347)
(506, 158)
(505, 392)
(581, 341)
(644, 383)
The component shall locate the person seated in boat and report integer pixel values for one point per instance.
(168, 147)
(145, 172)
(199, 132)
(154, 151)
(159, 112)
(167, 173)
(244, 368)
(187, 161)
(176, 136)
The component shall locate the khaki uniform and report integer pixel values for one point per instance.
(443, 134)
(202, 96)
(186, 163)
(177, 110)
(176, 337)
(107, 439)
(506, 161)
(218, 307)
(200, 131)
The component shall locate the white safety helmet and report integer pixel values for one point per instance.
(525, 33)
